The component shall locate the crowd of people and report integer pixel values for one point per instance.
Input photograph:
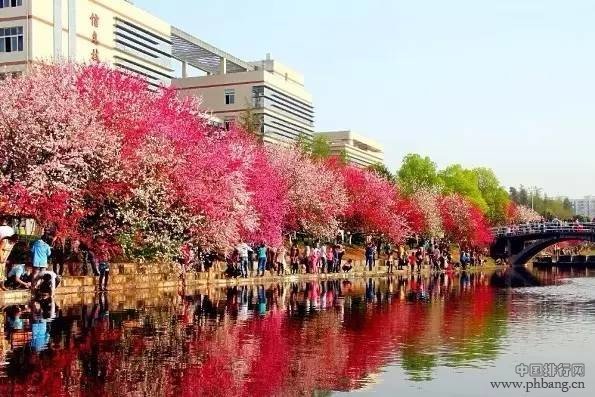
(433, 254)
(319, 257)
(543, 226)
(39, 265)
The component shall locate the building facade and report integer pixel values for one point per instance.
(118, 33)
(111, 31)
(273, 93)
(358, 149)
(584, 207)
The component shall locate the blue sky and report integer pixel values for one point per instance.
(507, 84)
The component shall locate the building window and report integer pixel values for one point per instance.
(10, 3)
(230, 97)
(11, 39)
(228, 123)
(258, 96)
(14, 75)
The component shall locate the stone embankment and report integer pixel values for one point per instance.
(131, 278)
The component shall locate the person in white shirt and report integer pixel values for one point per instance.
(46, 282)
(280, 259)
(243, 250)
(7, 241)
(5, 230)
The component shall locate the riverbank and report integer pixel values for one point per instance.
(126, 278)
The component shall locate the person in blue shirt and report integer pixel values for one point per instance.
(18, 277)
(262, 259)
(40, 253)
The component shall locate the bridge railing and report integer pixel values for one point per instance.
(543, 228)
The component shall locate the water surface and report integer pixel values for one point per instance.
(440, 335)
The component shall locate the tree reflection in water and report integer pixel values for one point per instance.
(282, 339)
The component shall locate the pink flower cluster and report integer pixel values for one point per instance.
(94, 153)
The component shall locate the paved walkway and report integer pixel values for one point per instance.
(129, 277)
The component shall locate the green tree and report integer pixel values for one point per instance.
(456, 179)
(494, 195)
(546, 206)
(417, 172)
(567, 204)
(250, 121)
(319, 147)
(383, 171)
(303, 142)
(343, 156)
(514, 194)
(524, 196)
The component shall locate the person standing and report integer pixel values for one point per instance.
(280, 259)
(390, 262)
(251, 251)
(421, 257)
(330, 259)
(312, 261)
(103, 264)
(7, 242)
(262, 259)
(40, 252)
(294, 257)
(243, 252)
(412, 260)
(436, 254)
(59, 255)
(369, 256)
(322, 258)
(305, 259)
(340, 253)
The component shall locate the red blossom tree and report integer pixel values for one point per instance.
(463, 221)
(375, 206)
(95, 153)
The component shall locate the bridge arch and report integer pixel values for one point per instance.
(520, 243)
(536, 247)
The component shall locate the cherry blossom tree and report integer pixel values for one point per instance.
(198, 176)
(94, 153)
(517, 213)
(269, 197)
(463, 221)
(315, 192)
(428, 202)
(52, 145)
(375, 206)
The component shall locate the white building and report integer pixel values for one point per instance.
(584, 207)
(358, 149)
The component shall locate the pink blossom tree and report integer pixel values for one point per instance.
(516, 213)
(463, 221)
(268, 196)
(428, 202)
(52, 145)
(374, 205)
(316, 193)
(198, 176)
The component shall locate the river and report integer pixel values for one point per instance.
(440, 335)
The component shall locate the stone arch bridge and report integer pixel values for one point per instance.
(519, 243)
